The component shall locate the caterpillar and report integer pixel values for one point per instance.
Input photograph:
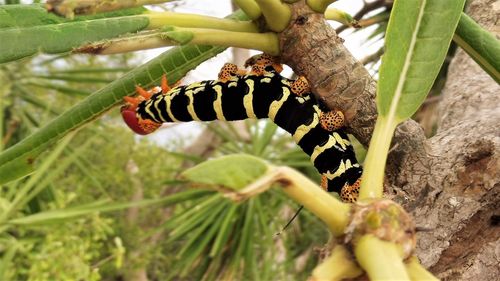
(260, 93)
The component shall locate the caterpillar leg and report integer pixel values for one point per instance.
(332, 120)
(350, 193)
(300, 86)
(265, 60)
(165, 88)
(228, 71)
(324, 182)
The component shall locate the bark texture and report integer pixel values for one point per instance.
(450, 182)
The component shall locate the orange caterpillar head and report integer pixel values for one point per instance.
(137, 124)
(132, 119)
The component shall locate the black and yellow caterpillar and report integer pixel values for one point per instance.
(262, 93)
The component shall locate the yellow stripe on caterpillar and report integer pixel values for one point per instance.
(218, 103)
(156, 103)
(168, 100)
(333, 140)
(148, 110)
(190, 107)
(303, 129)
(344, 143)
(265, 80)
(343, 166)
(276, 105)
(248, 99)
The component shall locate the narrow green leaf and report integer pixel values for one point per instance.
(36, 14)
(16, 170)
(62, 215)
(233, 171)
(199, 247)
(224, 231)
(418, 37)
(7, 257)
(74, 78)
(263, 141)
(480, 44)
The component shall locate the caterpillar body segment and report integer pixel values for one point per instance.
(267, 95)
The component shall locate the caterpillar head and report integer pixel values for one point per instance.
(133, 120)
(137, 124)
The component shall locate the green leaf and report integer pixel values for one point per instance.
(480, 44)
(36, 14)
(17, 169)
(233, 171)
(58, 38)
(175, 63)
(418, 37)
(61, 215)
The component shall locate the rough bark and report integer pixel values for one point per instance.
(450, 182)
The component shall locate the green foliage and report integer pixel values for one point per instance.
(232, 171)
(418, 37)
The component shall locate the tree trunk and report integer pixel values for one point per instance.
(450, 182)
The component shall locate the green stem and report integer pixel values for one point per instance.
(340, 16)
(319, 5)
(266, 42)
(380, 259)
(250, 8)
(479, 44)
(329, 209)
(417, 271)
(276, 13)
(338, 266)
(161, 19)
(374, 166)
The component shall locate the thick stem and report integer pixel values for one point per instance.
(338, 266)
(417, 271)
(329, 209)
(312, 48)
(372, 184)
(380, 259)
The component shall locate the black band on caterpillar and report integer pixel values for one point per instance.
(263, 95)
